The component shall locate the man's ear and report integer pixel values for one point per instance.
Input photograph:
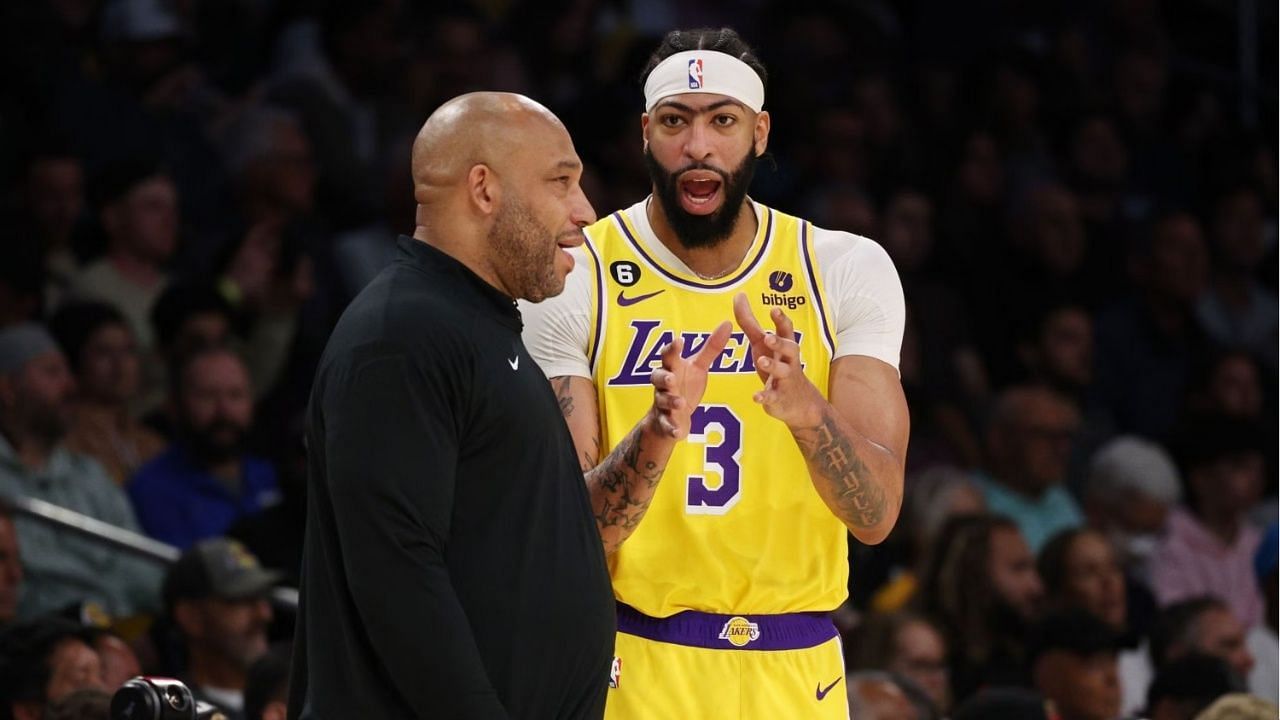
(484, 189)
(644, 130)
(761, 137)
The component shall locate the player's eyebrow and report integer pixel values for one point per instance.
(676, 105)
(568, 165)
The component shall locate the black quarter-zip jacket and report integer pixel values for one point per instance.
(452, 567)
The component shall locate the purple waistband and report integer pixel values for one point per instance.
(793, 631)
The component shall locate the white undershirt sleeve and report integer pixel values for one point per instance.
(557, 330)
(862, 285)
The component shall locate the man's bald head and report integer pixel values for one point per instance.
(481, 128)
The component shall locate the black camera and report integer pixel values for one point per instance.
(159, 698)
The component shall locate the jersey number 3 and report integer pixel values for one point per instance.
(719, 431)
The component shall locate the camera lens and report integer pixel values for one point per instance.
(176, 698)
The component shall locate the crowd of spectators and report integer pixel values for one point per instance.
(1080, 198)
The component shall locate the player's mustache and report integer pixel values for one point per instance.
(675, 174)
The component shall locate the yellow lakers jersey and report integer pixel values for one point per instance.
(736, 524)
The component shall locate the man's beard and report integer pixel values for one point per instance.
(217, 442)
(701, 231)
(49, 422)
(525, 253)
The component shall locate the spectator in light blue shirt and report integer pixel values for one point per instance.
(206, 480)
(60, 569)
(1028, 448)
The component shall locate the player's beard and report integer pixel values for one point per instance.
(524, 253)
(701, 231)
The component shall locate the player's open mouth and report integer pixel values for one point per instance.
(699, 191)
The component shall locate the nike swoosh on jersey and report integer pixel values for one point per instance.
(625, 301)
(514, 362)
(822, 691)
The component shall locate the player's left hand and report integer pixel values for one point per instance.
(679, 384)
(787, 394)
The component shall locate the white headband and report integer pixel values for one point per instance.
(704, 71)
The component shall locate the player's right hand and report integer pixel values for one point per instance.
(679, 384)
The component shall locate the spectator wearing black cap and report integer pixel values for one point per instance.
(216, 595)
(103, 354)
(35, 411)
(1210, 544)
(137, 205)
(1073, 663)
(42, 661)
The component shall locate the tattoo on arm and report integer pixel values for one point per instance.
(563, 395)
(622, 488)
(844, 477)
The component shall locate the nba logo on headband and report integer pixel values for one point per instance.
(695, 74)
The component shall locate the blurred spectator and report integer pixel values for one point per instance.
(119, 662)
(1205, 626)
(339, 85)
(982, 589)
(137, 204)
(1133, 484)
(1004, 703)
(10, 569)
(269, 157)
(1080, 571)
(86, 704)
(362, 252)
(1261, 639)
(1237, 311)
(267, 277)
(54, 199)
(1028, 442)
(1228, 383)
(198, 487)
(1210, 545)
(844, 207)
(932, 497)
(99, 344)
(216, 595)
(905, 644)
(1239, 706)
(1146, 345)
(266, 690)
(35, 411)
(1048, 239)
(1188, 685)
(186, 317)
(1073, 663)
(1056, 350)
(42, 661)
(875, 696)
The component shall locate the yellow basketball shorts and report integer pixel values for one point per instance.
(701, 666)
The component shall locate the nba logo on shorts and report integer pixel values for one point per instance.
(615, 672)
(695, 74)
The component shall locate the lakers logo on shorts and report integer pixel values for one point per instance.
(739, 631)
